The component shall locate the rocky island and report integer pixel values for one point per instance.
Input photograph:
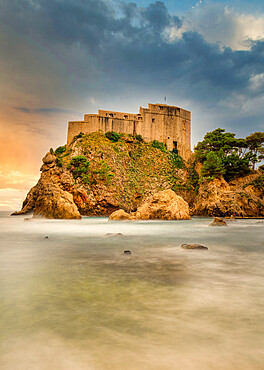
(98, 174)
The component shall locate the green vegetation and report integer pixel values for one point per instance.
(255, 143)
(139, 138)
(76, 137)
(192, 177)
(104, 171)
(224, 155)
(60, 150)
(213, 166)
(59, 162)
(130, 168)
(175, 159)
(79, 167)
(112, 136)
(159, 145)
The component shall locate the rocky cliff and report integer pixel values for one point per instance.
(118, 175)
(242, 197)
(95, 176)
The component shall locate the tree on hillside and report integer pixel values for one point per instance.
(255, 143)
(219, 140)
(213, 166)
(236, 155)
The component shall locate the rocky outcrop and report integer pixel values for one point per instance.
(164, 205)
(193, 246)
(48, 199)
(53, 202)
(218, 222)
(120, 215)
(120, 176)
(242, 198)
(137, 178)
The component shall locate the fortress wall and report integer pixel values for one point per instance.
(118, 115)
(164, 123)
(74, 128)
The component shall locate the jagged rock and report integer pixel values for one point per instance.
(193, 246)
(120, 215)
(54, 202)
(29, 202)
(218, 222)
(164, 205)
(217, 197)
(49, 158)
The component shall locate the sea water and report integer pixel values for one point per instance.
(75, 301)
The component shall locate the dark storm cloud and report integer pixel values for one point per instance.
(43, 110)
(129, 44)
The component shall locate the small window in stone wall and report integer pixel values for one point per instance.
(125, 117)
(153, 120)
(139, 118)
(111, 115)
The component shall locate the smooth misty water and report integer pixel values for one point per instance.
(75, 301)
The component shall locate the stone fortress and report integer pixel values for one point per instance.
(168, 124)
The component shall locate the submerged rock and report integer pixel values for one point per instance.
(127, 251)
(194, 246)
(114, 234)
(164, 205)
(218, 222)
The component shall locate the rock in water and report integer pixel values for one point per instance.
(120, 215)
(127, 251)
(114, 234)
(48, 198)
(53, 202)
(218, 222)
(194, 246)
(164, 205)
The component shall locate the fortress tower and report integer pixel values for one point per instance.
(169, 124)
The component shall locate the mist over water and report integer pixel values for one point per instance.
(75, 301)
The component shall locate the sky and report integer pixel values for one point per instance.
(60, 59)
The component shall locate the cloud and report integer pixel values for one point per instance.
(59, 58)
(43, 110)
(224, 25)
(129, 45)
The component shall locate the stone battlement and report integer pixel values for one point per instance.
(162, 122)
